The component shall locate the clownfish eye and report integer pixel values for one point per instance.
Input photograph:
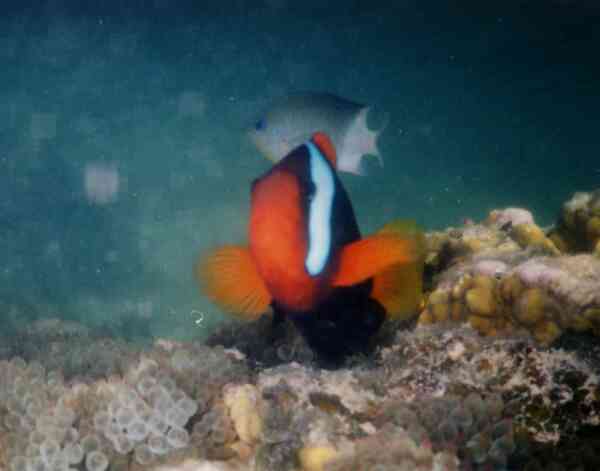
(260, 125)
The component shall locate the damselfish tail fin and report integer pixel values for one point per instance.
(393, 257)
(358, 142)
(229, 278)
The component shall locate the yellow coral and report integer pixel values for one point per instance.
(484, 281)
(438, 296)
(482, 325)
(458, 290)
(425, 318)
(593, 228)
(315, 458)
(530, 235)
(456, 311)
(440, 311)
(438, 305)
(546, 332)
(242, 402)
(480, 300)
(473, 245)
(561, 242)
(592, 314)
(580, 323)
(510, 288)
(530, 308)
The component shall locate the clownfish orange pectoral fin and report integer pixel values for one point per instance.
(399, 289)
(324, 144)
(394, 258)
(228, 277)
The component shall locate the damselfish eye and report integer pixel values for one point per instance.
(260, 125)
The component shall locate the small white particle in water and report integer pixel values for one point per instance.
(198, 316)
(101, 183)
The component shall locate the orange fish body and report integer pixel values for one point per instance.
(280, 226)
(307, 260)
(278, 244)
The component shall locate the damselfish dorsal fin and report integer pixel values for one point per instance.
(324, 144)
(393, 258)
(229, 278)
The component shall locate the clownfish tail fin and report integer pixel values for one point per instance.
(229, 278)
(393, 258)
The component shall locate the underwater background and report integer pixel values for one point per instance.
(123, 152)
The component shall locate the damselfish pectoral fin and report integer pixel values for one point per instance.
(393, 258)
(229, 278)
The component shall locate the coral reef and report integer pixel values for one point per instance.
(143, 416)
(543, 295)
(389, 451)
(509, 232)
(471, 427)
(578, 228)
(435, 395)
(64, 346)
(507, 275)
(499, 293)
(436, 398)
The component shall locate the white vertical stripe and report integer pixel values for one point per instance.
(319, 212)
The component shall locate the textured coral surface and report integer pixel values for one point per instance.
(497, 371)
(435, 397)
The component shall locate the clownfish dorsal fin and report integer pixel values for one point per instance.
(393, 257)
(324, 144)
(228, 277)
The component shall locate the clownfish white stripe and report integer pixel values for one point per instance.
(319, 212)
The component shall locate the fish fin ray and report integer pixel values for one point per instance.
(378, 131)
(399, 289)
(393, 257)
(366, 257)
(359, 141)
(230, 279)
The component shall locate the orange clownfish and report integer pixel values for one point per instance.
(306, 258)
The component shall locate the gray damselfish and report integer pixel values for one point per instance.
(292, 120)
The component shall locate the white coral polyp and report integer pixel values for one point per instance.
(534, 272)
